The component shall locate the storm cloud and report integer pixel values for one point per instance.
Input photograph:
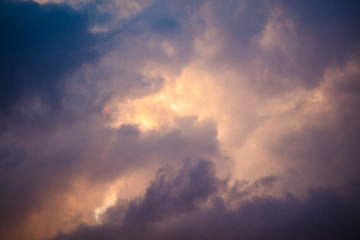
(154, 119)
(171, 209)
(39, 46)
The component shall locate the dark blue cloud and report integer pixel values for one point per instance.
(39, 45)
(165, 25)
(330, 31)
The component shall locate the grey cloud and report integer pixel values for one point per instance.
(307, 39)
(326, 150)
(328, 32)
(322, 215)
(168, 210)
(54, 85)
(132, 149)
(33, 174)
(241, 190)
(171, 193)
(54, 72)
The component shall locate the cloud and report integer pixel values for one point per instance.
(324, 148)
(59, 169)
(102, 102)
(39, 48)
(54, 79)
(185, 204)
(169, 194)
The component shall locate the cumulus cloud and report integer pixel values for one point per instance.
(142, 119)
(171, 208)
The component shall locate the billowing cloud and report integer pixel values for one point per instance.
(152, 119)
(186, 204)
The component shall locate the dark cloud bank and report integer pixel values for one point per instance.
(39, 46)
(42, 45)
(171, 209)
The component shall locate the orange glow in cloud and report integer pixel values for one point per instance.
(133, 86)
(246, 124)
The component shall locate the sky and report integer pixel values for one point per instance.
(183, 119)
